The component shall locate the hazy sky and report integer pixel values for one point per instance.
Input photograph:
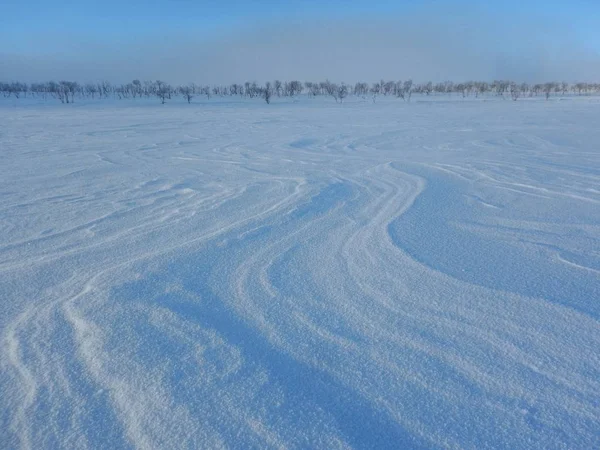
(225, 41)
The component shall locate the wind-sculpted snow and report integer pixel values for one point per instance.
(303, 275)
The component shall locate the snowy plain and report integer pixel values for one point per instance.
(300, 275)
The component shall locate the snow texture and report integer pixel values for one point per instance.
(300, 275)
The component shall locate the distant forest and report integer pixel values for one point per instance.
(69, 91)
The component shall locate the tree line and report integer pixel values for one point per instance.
(68, 91)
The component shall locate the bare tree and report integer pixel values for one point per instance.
(342, 92)
(428, 88)
(267, 92)
(515, 91)
(163, 91)
(361, 89)
(501, 86)
(66, 91)
(205, 90)
(187, 93)
(581, 87)
(408, 89)
(331, 89)
(314, 89)
(374, 91)
(548, 88)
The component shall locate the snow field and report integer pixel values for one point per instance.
(306, 275)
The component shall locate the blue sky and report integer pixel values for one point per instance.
(43, 36)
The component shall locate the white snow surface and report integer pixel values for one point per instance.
(300, 275)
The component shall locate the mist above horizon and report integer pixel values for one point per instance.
(435, 41)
